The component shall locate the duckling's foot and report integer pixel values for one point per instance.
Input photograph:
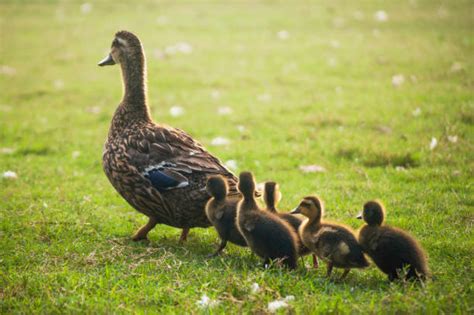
(218, 250)
(328, 273)
(346, 271)
(184, 235)
(142, 233)
(315, 262)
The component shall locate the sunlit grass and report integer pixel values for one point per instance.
(322, 96)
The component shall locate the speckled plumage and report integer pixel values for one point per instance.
(333, 243)
(136, 147)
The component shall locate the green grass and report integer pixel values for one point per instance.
(65, 233)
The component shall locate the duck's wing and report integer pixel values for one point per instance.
(169, 158)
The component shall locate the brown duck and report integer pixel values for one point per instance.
(390, 248)
(266, 234)
(334, 243)
(272, 196)
(159, 170)
(221, 211)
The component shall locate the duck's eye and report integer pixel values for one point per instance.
(115, 42)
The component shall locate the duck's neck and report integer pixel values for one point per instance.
(250, 203)
(314, 222)
(134, 101)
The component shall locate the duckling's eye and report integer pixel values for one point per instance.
(116, 42)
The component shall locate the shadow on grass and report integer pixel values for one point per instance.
(194, 253)
(380, 159)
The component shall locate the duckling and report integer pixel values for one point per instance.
(266, 234)
(221, 212)
(333, 243)
(390, 248)
(272, 196)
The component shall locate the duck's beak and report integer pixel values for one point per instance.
(295, 211)
(359, 216)
(107, 61)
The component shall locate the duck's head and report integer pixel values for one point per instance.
(311, 207)
(247, 184)
(125, 46)
(373, 213)
(271, 195)
(217, 187)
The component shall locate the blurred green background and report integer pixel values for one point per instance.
(348, 100)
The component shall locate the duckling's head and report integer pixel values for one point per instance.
(247, 185)
(271, 195)
(373, 213)
(125, 46)
(311, 207)
(217, 187)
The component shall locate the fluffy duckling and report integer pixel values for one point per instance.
(221, 212)
(266, 234)
(390, 248)
(272, 196)
(333, 243)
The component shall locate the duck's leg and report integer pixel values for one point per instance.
(219, 249)
(184, 235)
(328, 273)
(315, 262)
(346, 271)
(142, 233)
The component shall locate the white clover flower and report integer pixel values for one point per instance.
(283, 34)
(254, 288)
(10, 175)
(86, 8)
(206, 302)
(265, 97)
(433, 143)
(224, 110)
(184, 47)
(398, 80)
(220, 141)
(58, 84)
(7, 70)
(176, 111)
(381, 16)
(456, 67)
(241, 128)
(312, 169)
(215, 94)
(231, 164)
(416, 112)
(453, 139)
(7, 150)
(276, 305)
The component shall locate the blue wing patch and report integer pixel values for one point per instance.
(164, 179)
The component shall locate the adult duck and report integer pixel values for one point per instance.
(159, 170)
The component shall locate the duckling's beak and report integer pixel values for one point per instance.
(295, 211)
(359, 216)
(107, 61)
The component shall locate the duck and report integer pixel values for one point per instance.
(268, 236)
(333, 243)
(159, 170)
(272, 196)
(391, 249)
(221, 212)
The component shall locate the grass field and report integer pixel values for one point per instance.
(307, 83)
